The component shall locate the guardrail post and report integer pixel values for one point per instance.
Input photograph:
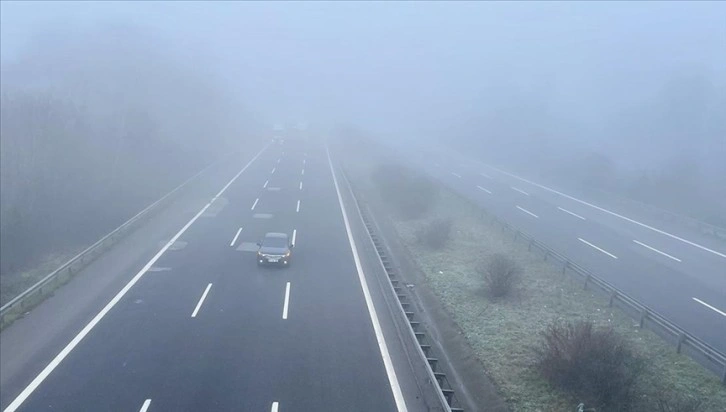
(547, 253)
(681, 338)
(587, 279)
(516, 233)
(723, 375)
(529, 246)
(613, 294)
(565, 266)
(643, 315)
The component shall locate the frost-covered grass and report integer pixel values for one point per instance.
(503, 332)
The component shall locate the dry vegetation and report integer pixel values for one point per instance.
(516, 335)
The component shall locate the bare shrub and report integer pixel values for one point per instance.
(435, 234)
(594, 365)
(501, 276)
(409, 193)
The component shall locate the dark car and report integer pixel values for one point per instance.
(274, 248)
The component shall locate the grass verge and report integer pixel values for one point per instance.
(503, 333)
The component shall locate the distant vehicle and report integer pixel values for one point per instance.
(274, 248)
(277, 139)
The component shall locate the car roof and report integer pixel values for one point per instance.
(275, 234)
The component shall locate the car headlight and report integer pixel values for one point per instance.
(287, 253)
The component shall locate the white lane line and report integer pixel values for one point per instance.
(273, 170)
(303, 172)
(275, 405)
(456, 174)
(519, 190)
(382, 346)
(304, 160)
(662, 232)
(287, 301)
(297, 209)
(201, 300)
(485, 175)
(278, 161)
(710, 307)
(255, 204)
(656, 250)
(571, 213)
(527, 212)
(301, 185)
(294, 235)
(145, 406)
(235, 237)
(18, 401)
(265, 185)
(595, 247)
(481, 188)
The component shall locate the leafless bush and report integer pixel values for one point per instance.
(593, 364)
(501, 275)
(435, 234)
(410, 193)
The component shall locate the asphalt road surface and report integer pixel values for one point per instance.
(674, 271)
(200, 327)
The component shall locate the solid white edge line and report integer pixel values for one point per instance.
(287, 301)
(297, 209)
(145, 406)
(662, 232)
(656, 250)
(255, 204)
(201, 301)
(275, 405)
(456, 174)
(710, 307)
(265, 185)
(294, 236)
(572, 213)
(595, 247)
(236, 236)
(519, 190)
(481, 188)
(382, 346)
(33, 385)
(527, 211)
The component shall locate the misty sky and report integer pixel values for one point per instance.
(408, 68)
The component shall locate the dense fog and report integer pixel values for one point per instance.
(115, 103)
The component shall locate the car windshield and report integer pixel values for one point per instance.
(276, 242)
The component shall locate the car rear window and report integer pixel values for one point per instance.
(275, 242)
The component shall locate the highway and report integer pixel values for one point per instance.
(200, 327)
(675, 271)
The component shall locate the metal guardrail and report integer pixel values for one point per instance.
(703, 353)
(445, 395)
(36, 293)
